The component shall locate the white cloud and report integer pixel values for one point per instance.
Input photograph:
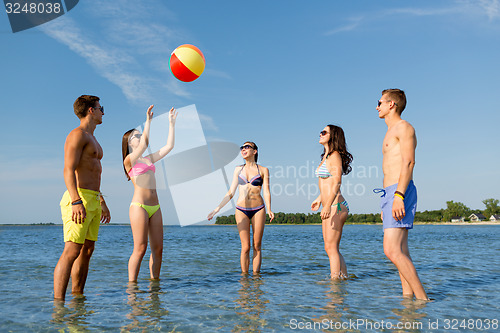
(355, 22)
(424, 11)
(492, 8)
(124, 46)
(175, 87)
(463, 7)
(208, 123)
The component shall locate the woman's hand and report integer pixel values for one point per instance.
(271, 216)
(172, 116)
(212, 214)
(315, 205)
(149, 113)
(325, 212)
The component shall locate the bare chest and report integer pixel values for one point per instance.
(390, 145)
(93, 150)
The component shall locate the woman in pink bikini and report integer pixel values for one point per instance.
(250, 208)
(144, 211)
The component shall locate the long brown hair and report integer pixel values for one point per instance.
(337, 143)
(126, 148)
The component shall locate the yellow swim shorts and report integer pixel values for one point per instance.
(78, 233)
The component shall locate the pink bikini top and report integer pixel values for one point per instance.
(141, 168)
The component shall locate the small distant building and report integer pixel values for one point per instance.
(477, 217)
(495, 218)
(456, 219)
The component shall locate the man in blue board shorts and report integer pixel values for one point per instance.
(399, 201)
(410, 202)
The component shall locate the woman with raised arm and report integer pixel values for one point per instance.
(145, 213)
(335, 162)
(251, 178)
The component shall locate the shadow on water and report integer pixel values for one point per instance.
(146, 310)
(250, 304)
(411, 314)
(334, 294)
(74, 315)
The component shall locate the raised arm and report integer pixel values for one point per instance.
(172, 116)
(229, 195)
(73, 149)
(144, 141)
(267, 193)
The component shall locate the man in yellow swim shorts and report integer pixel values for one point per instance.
(78, 232)
(82, 205)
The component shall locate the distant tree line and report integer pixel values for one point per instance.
(458, 209)
(453, 209)
(301, 218)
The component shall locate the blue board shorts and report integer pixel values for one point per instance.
(410, 207)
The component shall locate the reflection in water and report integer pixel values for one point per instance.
(336, 290)
(250, 304)
(72, 314)
(409, 315)
(146, 311)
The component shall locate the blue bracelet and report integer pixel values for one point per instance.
(77, 202)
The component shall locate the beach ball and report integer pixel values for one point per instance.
(187, 63)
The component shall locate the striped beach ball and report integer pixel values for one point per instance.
(187, 63)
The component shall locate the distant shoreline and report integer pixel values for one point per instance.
(379, 223)
(268, 224)
(460, 223)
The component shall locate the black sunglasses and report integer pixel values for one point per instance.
(246, 147)
(138, 136)
(379, 103)
(100, 108)
(323, 133)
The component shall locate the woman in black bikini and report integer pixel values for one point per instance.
(250, 207)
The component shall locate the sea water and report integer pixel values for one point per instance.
(202, 289)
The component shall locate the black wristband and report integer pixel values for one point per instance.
(401, 194)
(77, 202)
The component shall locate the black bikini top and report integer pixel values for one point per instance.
(255, 181)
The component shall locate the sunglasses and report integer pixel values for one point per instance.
(138, 136)
(323, 133)
(100, 108)
(379, 103)
(246, 147)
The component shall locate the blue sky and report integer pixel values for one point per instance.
(276, 73)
